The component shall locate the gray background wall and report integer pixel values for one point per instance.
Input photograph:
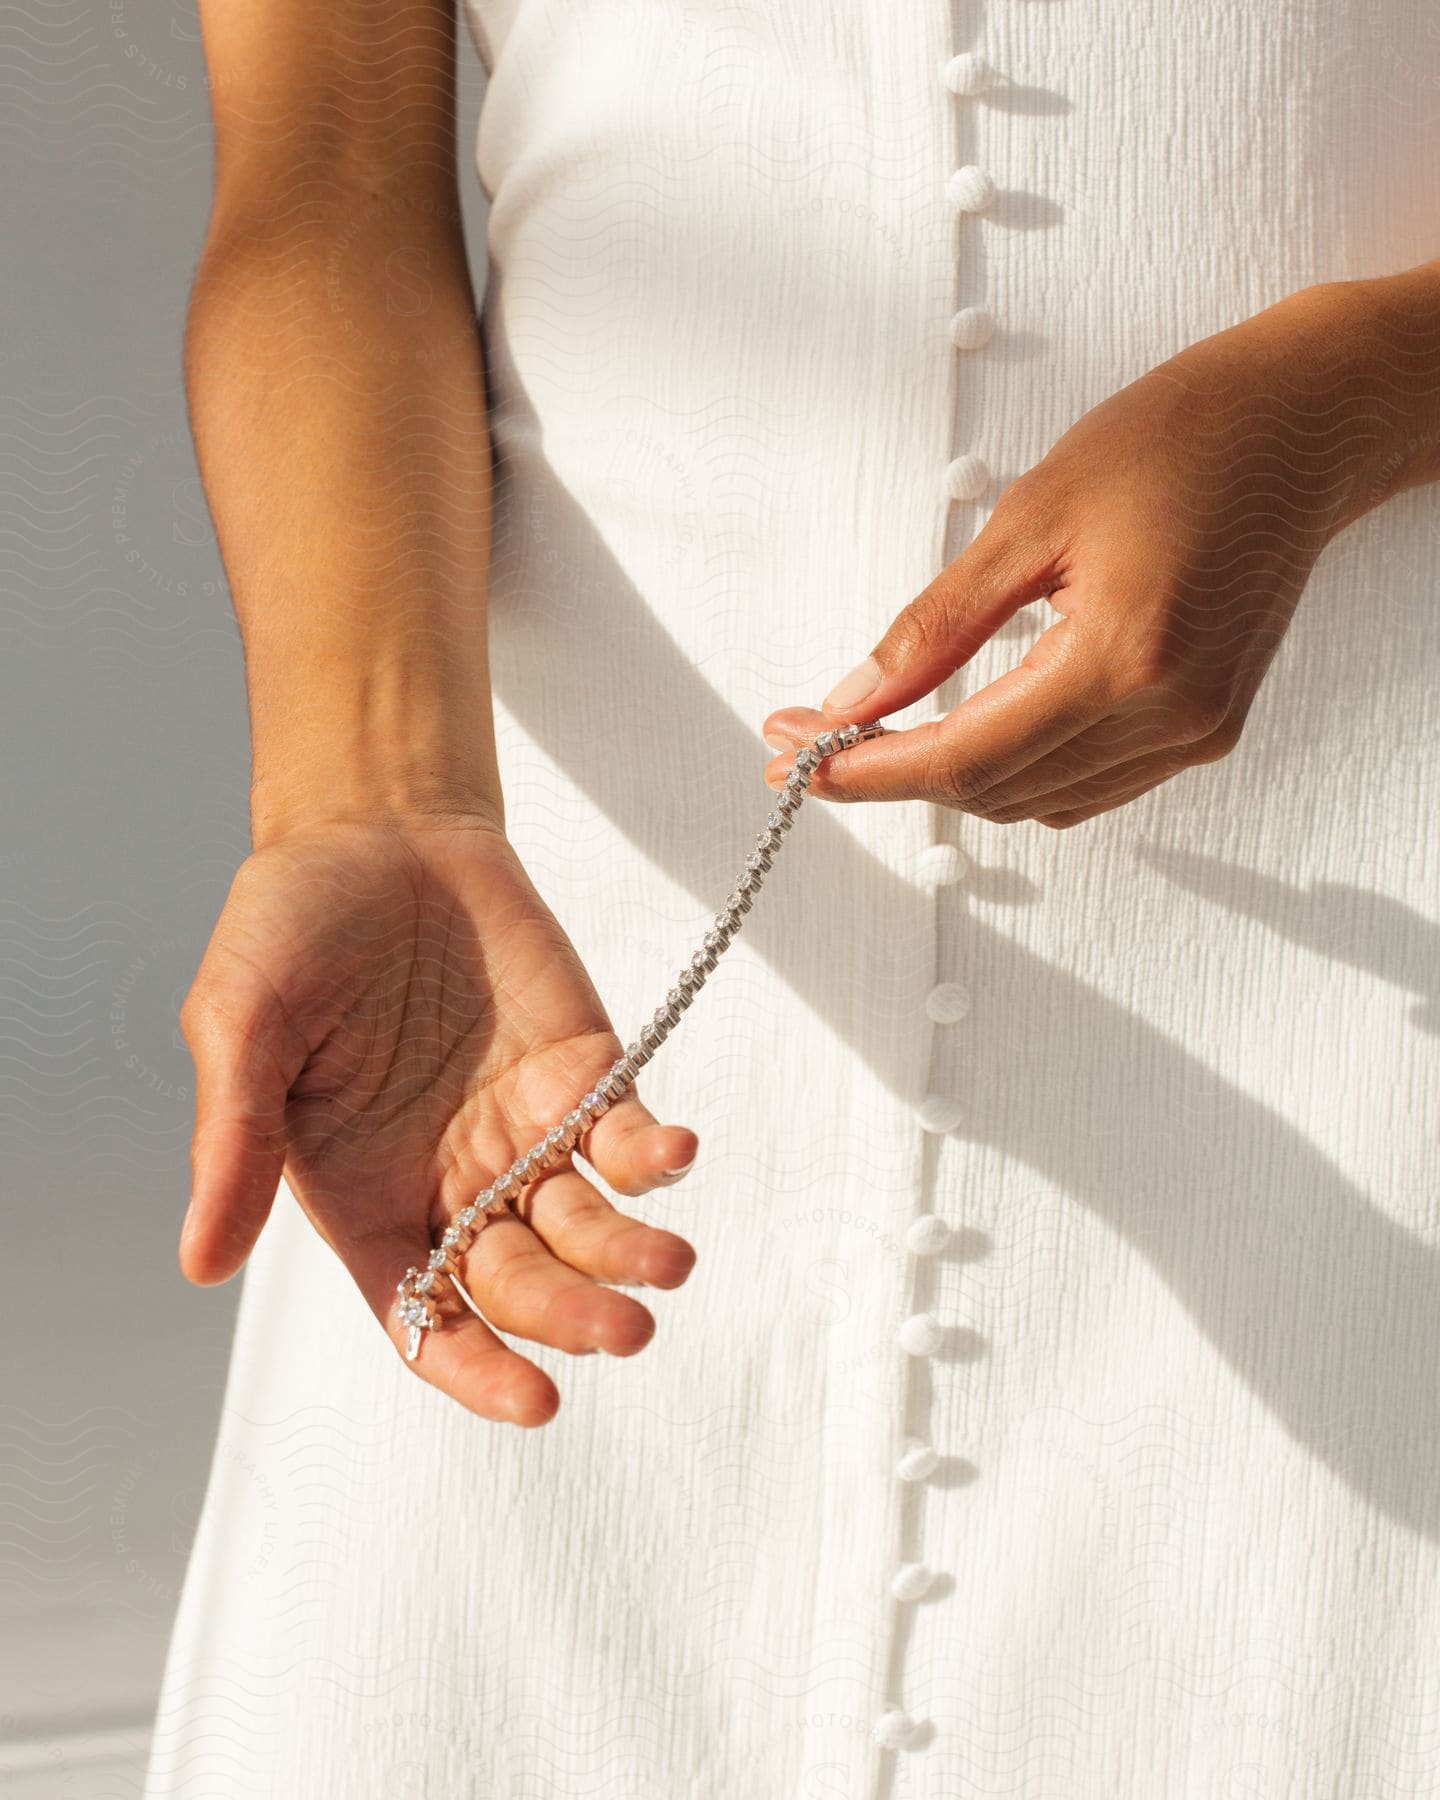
(124, 815)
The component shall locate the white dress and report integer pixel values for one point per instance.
(1173, 1465)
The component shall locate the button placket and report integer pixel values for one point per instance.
(969, 190)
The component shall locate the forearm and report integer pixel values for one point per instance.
(1349, 373)
(1376, 345)
(1403, 355)
(337, 397)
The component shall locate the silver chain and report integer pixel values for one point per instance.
(420, 1289)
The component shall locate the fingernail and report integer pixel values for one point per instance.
(775, 741)
(675, 1174)
(187, 1224)
(851, 689)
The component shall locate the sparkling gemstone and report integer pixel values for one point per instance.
(424, 1283)
(438, 1259)
(466, 1216)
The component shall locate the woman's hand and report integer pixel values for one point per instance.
(1173, 530)
(388, 1011)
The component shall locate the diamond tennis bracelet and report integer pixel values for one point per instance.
(419, 1291)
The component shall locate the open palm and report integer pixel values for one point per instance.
(389, 1014)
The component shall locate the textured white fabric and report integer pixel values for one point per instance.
(1182, 1514)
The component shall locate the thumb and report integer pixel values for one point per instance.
(236, 1034)
(943, 626)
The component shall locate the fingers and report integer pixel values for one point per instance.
(634, 1152)
(464, 1358)
(539, 1277)
(1117, 742)
(541, 1273)
(581, 1227)
(524, 1289)
(1107, 766)
(942, 628)
(243, 1071)
(1116, 787)
(1052, 696)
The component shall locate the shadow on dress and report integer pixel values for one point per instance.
(1324, 1306)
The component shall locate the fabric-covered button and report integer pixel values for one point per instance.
(967, 478)
(918, 1461)
(968, 73)
(894, 1729)
(970, 189)
(948, 1003)
(911, 1582)
(940, 1113)
(926, 1235)
(940, 865)
(971, 328)
(921, 1335)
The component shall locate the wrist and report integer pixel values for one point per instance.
(385, 753)
(1372, 350)
(285, 807)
